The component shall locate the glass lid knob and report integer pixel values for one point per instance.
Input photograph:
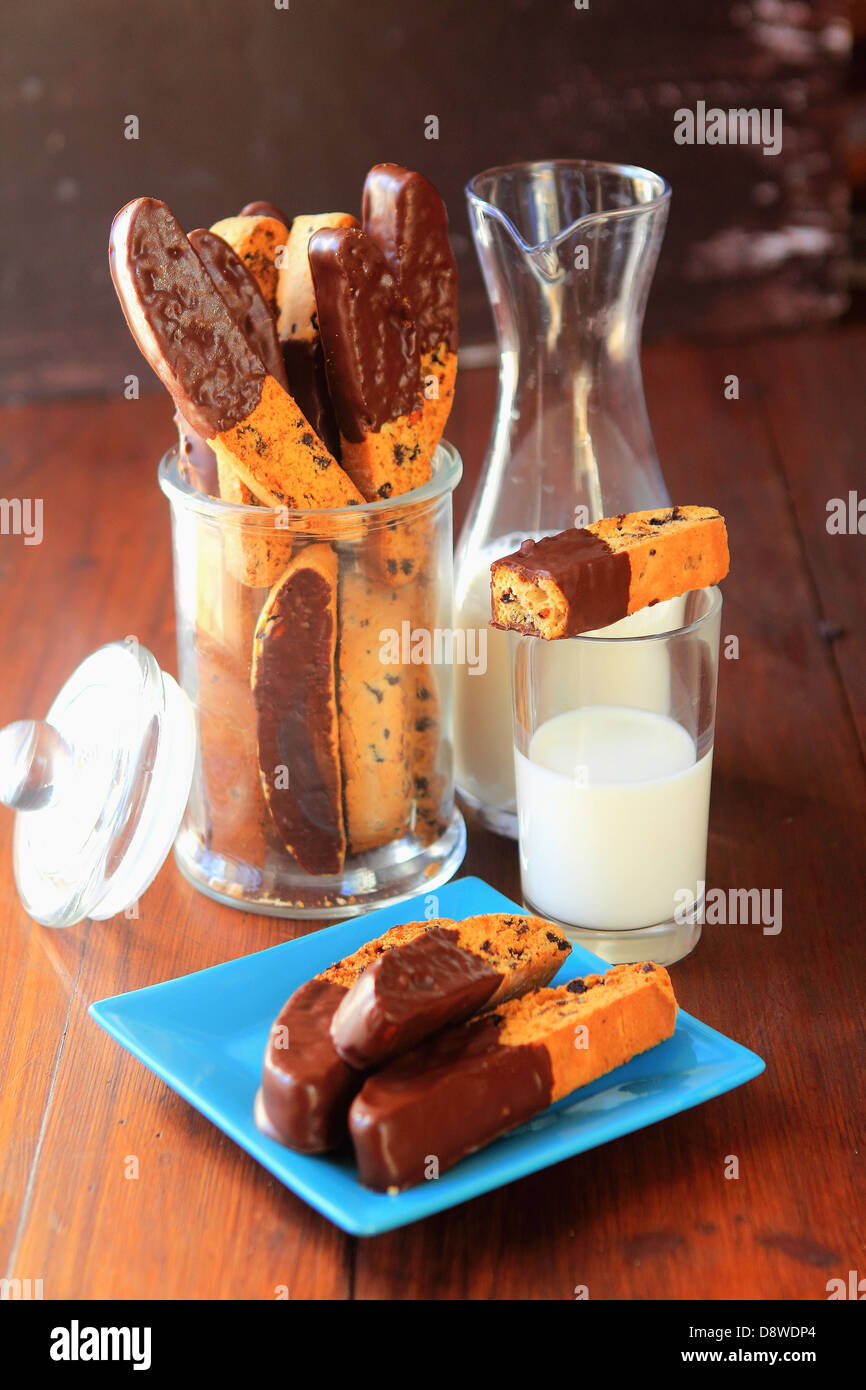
(99, 787)
(34, 762)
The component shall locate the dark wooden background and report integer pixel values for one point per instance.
(237, 100)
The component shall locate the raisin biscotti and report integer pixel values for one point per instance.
(255, 555)
(372, 362)
(307, 1086)
(472, 1083)
(375, 715)
(259, 242)
(218, 382)
(374, 377)
(299, 330)
(442, 978)
(407, 219)
(591, 576)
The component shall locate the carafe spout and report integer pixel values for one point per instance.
(567, 250)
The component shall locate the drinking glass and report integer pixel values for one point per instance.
(613, 749)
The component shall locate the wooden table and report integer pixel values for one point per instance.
(650, 1216)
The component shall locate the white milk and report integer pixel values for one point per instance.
(482, 703)
(612, 811)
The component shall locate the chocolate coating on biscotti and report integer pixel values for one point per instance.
(265, 209)
(445, 1099)
(406, 217)
(308, 386)
(180, 322)
(293, 690)
(407, 995)
(371, 353)
(593, 579)
(306, 1087)
(243, 299)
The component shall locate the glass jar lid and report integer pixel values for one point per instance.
(99, 787)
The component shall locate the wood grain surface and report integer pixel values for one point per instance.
(650, 1216)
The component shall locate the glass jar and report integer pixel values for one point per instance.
(316, 649)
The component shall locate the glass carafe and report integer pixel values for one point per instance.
(568, 249)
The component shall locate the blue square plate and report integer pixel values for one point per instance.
(205, 1035)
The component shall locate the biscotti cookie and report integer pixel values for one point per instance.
(219, 384)
(371, 357)
(374, 379)
(242, 297)
(178, 319)
(264, 209)
(281, 459)
(299, 329)
(244, 300)
(256, 551)
(260, 243)
(405, 216)
(296, 295)
(308, 386)
(256, 554)
(468, 1085)
(431, 752)
(375, 701)
(306, 1086)
(428, 778)
(592, 576)
(294, 690)
(442, 978)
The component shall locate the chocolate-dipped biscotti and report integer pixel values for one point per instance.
(371, 358)
(306, 1085)
(257, 559)
(406, 218)
(242, 297)
(592, 576)
(298, 326)
(219, 384)
(294, 690)
(259, 241)
(374, 378)
(296, 295)
(263, 208)
(426, 1110)
(245, 302)
(229, 318)
(442, 978)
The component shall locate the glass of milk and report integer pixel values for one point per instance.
(613, 748)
